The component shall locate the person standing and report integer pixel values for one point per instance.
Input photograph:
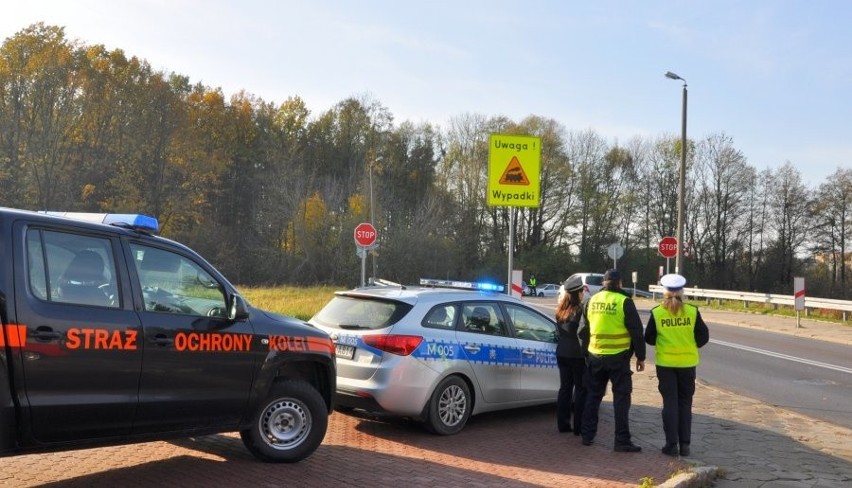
(610, 334)
(677, 331)
(570, 358)
(532, 284)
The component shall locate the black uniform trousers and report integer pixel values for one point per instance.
(572, 394)
(614, 368)
(677, 386)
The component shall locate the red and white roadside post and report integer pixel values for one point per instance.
(798, 296)
(365, 237)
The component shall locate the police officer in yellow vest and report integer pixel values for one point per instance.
(610, 334)
(677, 331)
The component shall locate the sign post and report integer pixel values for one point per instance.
(615, 251)
(514, 166)
(517, 289)
(798, 296)
(635, 280)
(365, 238)
(667, 249)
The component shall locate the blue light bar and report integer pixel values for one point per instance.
(465, 285)
(139, 222)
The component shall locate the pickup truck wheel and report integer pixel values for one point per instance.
(449, 407)
(289, 425)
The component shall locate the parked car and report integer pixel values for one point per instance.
(592, 282)
(547, 290)
(437, 353)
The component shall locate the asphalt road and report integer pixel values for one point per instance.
(808, 376)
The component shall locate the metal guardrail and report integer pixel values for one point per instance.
(844, 306)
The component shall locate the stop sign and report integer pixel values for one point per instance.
(365, 234)
(668, 247)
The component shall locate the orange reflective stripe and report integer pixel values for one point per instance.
(320, 344)
(15, 335)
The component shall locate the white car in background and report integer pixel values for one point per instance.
(592, 283)
(547, 290)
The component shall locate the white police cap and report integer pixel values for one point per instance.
(673, 282)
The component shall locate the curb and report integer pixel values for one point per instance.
(697, 477)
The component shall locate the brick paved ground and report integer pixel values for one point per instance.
(503, 449)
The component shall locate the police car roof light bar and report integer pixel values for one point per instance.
(465, 285)
(139, 222)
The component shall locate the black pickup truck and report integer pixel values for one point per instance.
(113, 335)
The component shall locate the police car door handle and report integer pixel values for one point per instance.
(528, 352)
(471, 348)
(44, 333)
(162, 340)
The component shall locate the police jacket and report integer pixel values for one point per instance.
(673, 334)
(632, 322)
(568, 345)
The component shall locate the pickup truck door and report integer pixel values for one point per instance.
(81, 357)
(198, 367)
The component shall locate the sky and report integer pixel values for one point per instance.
(773, 75)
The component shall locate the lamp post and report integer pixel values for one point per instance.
(376, 160)
(682, 177)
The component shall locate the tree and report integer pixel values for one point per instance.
(788, 221)
(40, 113)
(832, 213)
(722, 181)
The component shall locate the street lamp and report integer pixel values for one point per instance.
(372, 222)
(682, 178)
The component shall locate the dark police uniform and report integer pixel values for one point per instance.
(572, 368)
(611, 332)
(677, 338)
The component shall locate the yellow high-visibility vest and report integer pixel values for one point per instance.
(607, 333)
(676, 346)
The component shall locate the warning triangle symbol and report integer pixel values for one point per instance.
(514, 174)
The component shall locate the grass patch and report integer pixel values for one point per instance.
(301, 302)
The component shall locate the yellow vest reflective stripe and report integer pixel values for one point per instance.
(676, 346)
(607, 332)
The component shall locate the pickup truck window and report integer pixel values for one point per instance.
(172, 283)
(70, 268)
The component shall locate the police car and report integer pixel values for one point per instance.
(111, 334)
(439, 352)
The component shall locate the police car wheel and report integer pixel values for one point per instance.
(449, 407)
(289, 425)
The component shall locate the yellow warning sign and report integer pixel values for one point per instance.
(514, 167)
(514, 174)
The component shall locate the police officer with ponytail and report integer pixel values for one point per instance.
(610, 334)
(677, 331)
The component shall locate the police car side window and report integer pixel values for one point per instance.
(483, 318)
(441, 317)
(71, 268)
(172, 283)
(531, 326)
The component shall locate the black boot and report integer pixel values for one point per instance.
(670, 449)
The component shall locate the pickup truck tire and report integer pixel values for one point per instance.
(449, 408)
(289, 425)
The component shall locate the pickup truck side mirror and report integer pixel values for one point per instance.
(237, 308)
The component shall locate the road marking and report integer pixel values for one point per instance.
(782, 356)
